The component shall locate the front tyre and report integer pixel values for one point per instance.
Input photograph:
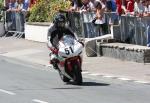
(77, 76)
(63, 78)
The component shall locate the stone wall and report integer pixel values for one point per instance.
(2, 29)
(126, 52)
(36, 31)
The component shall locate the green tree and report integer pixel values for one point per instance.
(1, 4)
(44, 10)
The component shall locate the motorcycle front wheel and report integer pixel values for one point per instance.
(63, 78)
(77, 76)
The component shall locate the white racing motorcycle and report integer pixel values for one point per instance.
(69, 58)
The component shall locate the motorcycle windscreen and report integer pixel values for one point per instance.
(69, 47)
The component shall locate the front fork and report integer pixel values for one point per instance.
(70, 63)
(66, 66)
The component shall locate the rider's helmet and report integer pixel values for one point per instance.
(59, 20)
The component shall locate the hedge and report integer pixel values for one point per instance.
(44, 10)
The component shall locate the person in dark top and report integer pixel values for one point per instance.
(57, 30)
(55, 33)
(75, 5)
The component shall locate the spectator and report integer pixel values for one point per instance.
(26, 5)
(18, 5)
(32, 2)
(148, 5)
(124, 5)
(138, 8)
(103, 3)
(100, 19)
(92, 5)
(11, 12)
(146, 8)
(86, 6)
(130, 6)
(25, 8)
(119, 7)
(11, 5)
(111, 5)
(75, 5)
(19, 16)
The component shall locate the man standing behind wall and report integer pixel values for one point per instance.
(11, 15)
(21, 9)
(26, 5)
(75, 5)
(19, 16)
(25, 9)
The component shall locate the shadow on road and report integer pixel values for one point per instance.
(94, 84)
(90, 84)
(68, 88)
(84, 84)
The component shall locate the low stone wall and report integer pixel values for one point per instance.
(2, 29)
(90, 44)
(123, 51)
(36, 31)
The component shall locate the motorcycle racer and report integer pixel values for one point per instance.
(55, 33)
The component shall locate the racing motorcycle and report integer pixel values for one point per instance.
(69, 59)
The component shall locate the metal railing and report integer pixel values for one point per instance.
(14, 23)
(81, 23)
(2, 27)
(135, 30)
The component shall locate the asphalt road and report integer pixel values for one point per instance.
(21, 82)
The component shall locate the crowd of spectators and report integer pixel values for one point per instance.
(138, 8)
(16, 12)
(127, 7)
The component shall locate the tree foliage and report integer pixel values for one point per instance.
(1, 4)
(1, 7)
(44, 10)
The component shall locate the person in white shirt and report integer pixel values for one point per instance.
(148, 5)
(91, 4)
(146, 8)
(138, 8)
(100, 19)
(86, 6)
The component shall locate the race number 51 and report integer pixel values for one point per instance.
(68, 50)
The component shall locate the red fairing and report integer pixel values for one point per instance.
(69, 66)
(73, 61)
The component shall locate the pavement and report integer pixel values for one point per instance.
(37, 52)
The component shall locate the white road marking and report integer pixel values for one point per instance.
(95, 74)
(144, 82)
(85, 72)
(38, 101)
(18, 53)
(125, 79)
(8, 92)
(108, 76)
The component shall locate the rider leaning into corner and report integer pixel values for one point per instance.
(55, 33)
